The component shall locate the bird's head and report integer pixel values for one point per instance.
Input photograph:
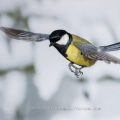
(59, 37)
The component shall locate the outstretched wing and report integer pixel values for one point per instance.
(24, 35)
(112, 47)
(92, 52)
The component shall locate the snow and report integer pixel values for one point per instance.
(14, 91)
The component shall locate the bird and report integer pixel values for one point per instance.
(74, 48)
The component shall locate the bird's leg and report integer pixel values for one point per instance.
(77, 71)
(70, 67)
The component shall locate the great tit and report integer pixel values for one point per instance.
(76, 49)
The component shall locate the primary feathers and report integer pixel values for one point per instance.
(24, 35)
(112, 47)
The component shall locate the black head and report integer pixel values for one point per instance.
(56, 36)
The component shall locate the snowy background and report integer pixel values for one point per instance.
(35, 82)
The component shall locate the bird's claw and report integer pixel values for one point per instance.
(77, 71)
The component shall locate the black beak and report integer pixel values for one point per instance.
(51, 44)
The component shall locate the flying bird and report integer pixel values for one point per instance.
(77, 50)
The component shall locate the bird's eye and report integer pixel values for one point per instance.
(56, 38)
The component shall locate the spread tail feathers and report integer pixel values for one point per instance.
(109, 48)
(24, 35)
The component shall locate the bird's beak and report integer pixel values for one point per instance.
(51, 44)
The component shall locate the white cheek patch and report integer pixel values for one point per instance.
(64, 40)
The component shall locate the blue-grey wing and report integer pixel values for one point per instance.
(112, 47)
(24, 35)
(92, 52)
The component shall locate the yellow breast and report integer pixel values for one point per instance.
(75, 56)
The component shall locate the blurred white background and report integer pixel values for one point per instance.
(35, 82)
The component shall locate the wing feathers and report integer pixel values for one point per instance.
(106, 57)
(92, 52)
(24, 35)
(109, 48)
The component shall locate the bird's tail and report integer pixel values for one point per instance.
(109, 48)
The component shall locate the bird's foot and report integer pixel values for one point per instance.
(77, 71)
